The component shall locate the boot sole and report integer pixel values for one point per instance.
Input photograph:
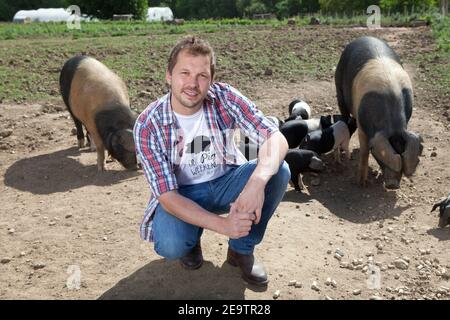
(185, 266)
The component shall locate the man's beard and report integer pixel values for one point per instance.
(185, 102)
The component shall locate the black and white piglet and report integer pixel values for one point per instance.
(294, 131)
(300, 161)
(323, 122)
(337, 138)
(444, 211)
(299, 109)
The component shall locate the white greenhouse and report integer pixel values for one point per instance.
(42, 15)
(159, 14)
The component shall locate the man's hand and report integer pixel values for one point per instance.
(251, 199)
(238, 224)
(270, 157)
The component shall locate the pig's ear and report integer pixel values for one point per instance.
(384, 152)
(413, 149)
(110, 141)
(126, 139)
(436, 205)
(316, 164)
(292, 104)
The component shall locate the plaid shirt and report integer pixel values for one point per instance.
(157, 139)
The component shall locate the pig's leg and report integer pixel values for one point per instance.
(346, 149)
(300, 182)
(363, 158)
(337, 154)
(100, 152)
(80, 133)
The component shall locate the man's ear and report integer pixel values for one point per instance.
(168, 77)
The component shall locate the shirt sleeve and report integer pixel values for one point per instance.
(154, 160)
(250, 120)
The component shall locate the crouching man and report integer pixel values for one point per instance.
(195, 171)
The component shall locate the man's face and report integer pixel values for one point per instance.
(189, 82)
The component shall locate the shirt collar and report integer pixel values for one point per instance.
(167, 114)
(211, 95)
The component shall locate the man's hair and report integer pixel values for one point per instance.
(194, 46)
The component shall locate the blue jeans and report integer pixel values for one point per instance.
(175, 238)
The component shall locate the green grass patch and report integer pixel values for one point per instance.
(439, 62)
(441, 31)
(246, 50)
(11, 31)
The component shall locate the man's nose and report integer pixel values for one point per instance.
(193, 82)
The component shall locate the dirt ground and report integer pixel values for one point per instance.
(60, 218)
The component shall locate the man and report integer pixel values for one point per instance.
(185, 144)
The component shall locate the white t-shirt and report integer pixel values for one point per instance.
(198, 162)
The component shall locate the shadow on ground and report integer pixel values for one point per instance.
(343, 197)
(162, 279)
(443, 234)
(58, 172)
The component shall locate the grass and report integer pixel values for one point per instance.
(441, 31)
(10, 31)
(438, 62)
(31, 56)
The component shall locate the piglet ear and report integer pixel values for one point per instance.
(126, 139)
(292, 104)
(438, 205)
(316, 164)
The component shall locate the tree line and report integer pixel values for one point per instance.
(205, 9)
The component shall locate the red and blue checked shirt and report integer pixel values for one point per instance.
(157, 139)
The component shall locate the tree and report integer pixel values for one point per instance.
(347, 6)
(8, 8)
(255, 7)
(309, 6)
(203, 9)
(294, 7)
(282, 9)
(241, 5)
(401, 5)
(106, 9)
(226, 9)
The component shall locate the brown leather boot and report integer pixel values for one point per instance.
(252, 270)
(194, 259)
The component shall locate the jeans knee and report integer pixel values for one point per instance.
(172, 249)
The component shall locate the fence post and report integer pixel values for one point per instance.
(444, 7)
